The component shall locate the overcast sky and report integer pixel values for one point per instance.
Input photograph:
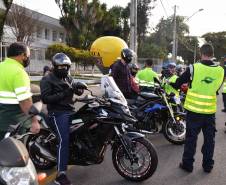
(211, 19)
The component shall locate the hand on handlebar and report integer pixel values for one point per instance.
(35, 126)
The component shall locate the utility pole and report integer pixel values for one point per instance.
(195, 53)
(133, 27)
(174, 35)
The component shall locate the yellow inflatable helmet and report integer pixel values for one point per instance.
(108, 48)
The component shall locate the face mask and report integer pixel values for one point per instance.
(61, 73)
(128, 60)
(26, 62)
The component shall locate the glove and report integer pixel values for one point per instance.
(76, 90)
(79, 92)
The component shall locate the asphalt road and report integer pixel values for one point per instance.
(169, 156)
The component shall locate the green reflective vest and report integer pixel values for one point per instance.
(14, 87)
(224, 86)
(201, 96)
(145, 77)
(169, 89)
(14, 82)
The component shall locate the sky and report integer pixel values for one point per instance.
(211, 19)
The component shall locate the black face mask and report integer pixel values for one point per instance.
(26, 62)
(61, 73)
(128, 60)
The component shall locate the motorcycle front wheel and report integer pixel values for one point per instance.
(175, 132)
(144, 164)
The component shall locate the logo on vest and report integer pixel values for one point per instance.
(208, 80)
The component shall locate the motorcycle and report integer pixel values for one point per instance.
(100, 122)
(16, 168)
(158, 112)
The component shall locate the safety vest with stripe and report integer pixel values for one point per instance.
(169, 89)
(201, 96)
(224, 86)
(145, 77)
(14, 82)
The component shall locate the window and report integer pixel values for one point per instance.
(40, 54)
(39, 32)
(54, 36)
(62, 37)
(33, 54)
(47, 34)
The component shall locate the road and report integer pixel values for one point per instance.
(167, 172)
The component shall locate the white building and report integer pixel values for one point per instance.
(48, 31)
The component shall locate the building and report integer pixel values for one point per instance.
(47, 31)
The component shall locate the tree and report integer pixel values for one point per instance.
(79, 18)
(218, 41)
(114, 23)
(144, 8)
(188, 49)
(23, 23)
(164, 32)
(3, 14)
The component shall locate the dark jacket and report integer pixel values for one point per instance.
(121, 74)
(57, 93)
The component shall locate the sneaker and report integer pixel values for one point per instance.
(185, 168)
(223, 110)
(207, 170)
(62, 180)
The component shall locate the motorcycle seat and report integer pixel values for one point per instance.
(148, 95)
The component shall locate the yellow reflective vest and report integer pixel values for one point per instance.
(145, 77)
(14, 82)
(168, 88)
(201, 96)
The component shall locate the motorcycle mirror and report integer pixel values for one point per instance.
(81, 85)
(36, 108)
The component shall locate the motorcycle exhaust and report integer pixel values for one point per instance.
(36, 147)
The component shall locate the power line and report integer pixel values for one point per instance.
(164, 8)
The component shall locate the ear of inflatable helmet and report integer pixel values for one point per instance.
(108, 50)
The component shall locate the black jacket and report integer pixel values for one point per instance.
(121, 75)
(57, 93)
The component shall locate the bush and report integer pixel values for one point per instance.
(74, 54)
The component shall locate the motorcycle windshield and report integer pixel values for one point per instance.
(111, 90)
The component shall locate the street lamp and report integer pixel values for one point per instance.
(195, 46)
(199, 10)
(174, 49)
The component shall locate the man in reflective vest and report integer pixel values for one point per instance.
(145, 77)
(171, 78)
(224, 87)
(205, 79)
(15, 95)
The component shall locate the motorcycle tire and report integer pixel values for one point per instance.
(119, 154)
(39, 162)
(171, 134)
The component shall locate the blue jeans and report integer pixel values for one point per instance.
(61, 124)
(196, 123)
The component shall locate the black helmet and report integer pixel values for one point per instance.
(134, 68)
(127, 55)
(61, 59)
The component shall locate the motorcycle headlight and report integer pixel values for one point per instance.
(19, 175)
